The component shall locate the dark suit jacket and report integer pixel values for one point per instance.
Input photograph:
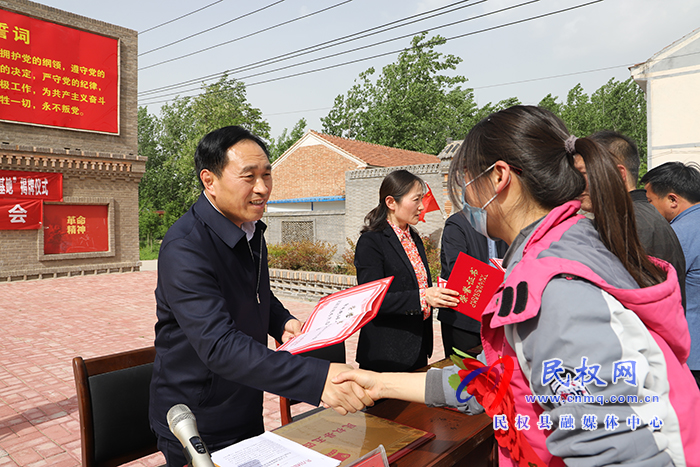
(459, 236)
(211, 334)
(657, 236)
(398, 336)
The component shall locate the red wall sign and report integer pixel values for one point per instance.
(75, 228)
(57, 76)
(20, 214)
(47, 186)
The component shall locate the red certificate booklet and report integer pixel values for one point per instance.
(476, 283)
(337, 316)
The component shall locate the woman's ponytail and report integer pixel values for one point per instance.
(614, 212)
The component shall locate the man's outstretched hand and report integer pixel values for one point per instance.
(344, 397)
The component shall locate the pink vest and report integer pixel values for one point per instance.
(669, 329)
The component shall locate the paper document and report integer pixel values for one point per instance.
(270, 450)
(337, 316)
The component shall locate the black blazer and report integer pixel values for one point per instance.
(398, 337)
(211, 334)
(457, 236)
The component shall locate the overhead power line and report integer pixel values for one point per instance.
(324, 45)
(401, 50)
(355, 49)
(246, 36)
(180, 17)
(361, 48)
(212, 28)
(512, 23)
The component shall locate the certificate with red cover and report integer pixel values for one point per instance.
(338, 315)
(476, 283)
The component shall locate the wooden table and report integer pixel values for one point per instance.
(459, 439)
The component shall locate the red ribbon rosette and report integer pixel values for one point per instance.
(491, 388)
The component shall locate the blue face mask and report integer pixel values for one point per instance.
(477, 216)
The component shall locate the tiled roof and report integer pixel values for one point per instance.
(379, 156)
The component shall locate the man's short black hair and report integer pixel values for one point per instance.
(212, 148)
(623, 148)
(681, 179)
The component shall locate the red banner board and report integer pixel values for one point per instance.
(57, 76)
(75, 228)
(20, 214)
(47, 186)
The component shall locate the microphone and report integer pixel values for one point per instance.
(183, 425)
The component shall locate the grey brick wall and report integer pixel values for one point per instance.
(362, 195)
(94, 166)
(328, 226)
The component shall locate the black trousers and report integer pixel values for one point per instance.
(465, 341)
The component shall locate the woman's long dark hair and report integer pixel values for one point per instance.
(533, 140)
(396, 184)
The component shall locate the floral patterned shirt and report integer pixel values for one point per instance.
(409, 246)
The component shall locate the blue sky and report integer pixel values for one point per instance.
(610, 35)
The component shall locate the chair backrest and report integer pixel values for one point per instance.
(113, 393)
(333, 353)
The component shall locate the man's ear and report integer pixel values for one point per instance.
(207, 178)
(623, 173)
(673, 199)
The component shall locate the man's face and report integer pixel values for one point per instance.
(585, 197)
(245, 183)
(664, 204)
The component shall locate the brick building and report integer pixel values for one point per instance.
(99, 167)
(324, 186)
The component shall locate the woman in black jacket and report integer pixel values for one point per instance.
(400, 337)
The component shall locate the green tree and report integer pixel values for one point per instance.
(170, 183)
(414, 104)
(278, 146)
(550, 103)
(621, 106)
(617, 105)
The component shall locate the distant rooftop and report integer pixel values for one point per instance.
(376, 155)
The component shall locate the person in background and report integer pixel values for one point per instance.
(400, 337)
(215, 309)
(656, 235)
(585, 322)
(460, 331)
(673, 189)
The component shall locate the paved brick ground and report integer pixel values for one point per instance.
(48, 322)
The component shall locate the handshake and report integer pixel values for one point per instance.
(349, 390)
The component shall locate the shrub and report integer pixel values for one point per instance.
(432, 252)
(347, 265)
(302, 256)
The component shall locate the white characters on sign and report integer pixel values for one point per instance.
(18, 215)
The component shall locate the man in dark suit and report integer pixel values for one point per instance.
(655, 233)
(215, 308)
(458, 330)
